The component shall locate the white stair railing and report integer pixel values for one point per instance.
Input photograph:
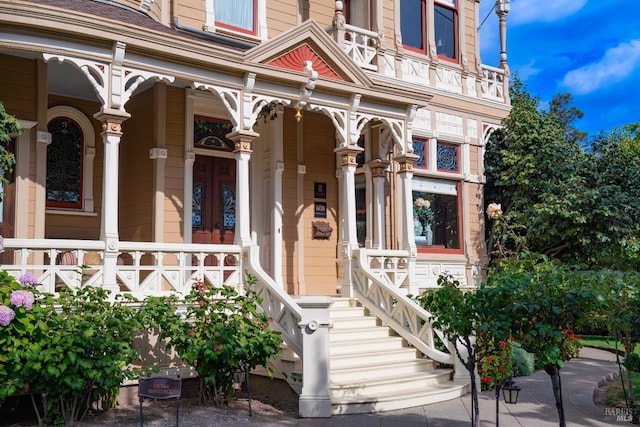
(286, 314)
(381, 297)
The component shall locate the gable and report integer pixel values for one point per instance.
(308, 42)
(295, 60)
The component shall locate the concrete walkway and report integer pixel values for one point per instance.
(535, 407)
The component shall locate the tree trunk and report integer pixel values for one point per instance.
(632, 399)
(554, 373)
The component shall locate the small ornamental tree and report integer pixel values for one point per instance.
(219, 331)
(463, 316)
(544, 304)
(622, 308)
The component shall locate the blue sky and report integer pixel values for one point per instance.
(589, 48)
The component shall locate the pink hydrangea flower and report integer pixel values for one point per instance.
(28, 279)
(6, 315)
(22, 299)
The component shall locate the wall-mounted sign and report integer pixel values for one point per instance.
(320, 210)
(320, 190)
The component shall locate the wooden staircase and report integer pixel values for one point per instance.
(372, 370)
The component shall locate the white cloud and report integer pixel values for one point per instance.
(617, 64)
(526, 71)
(526, 11)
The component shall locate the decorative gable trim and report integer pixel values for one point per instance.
(295, 60)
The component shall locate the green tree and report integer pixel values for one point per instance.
(561, 107)
(8, 125)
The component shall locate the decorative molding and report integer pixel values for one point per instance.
(297, 58)
(157, 153)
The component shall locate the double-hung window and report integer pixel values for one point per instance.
(236, 15)
(416, 28)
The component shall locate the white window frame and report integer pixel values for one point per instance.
(261, 21)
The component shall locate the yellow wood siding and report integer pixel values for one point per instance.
(470, 30)
(174, 166)
(17, 86)
(281, 17)
(136, 203)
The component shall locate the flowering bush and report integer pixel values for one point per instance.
(21, 324)
(495, 361)
(220, 330)
(71, 350)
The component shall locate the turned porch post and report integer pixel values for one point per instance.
(242, 140)
(111, 134)
(349, 235)
(405, 214)
(378, 169)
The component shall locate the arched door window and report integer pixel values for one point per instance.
(70, 155)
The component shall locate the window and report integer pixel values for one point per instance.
(413, 25)
(69, 182)
(420, 149)
(436, 215)
(448, 158)
(239, 15)
(361, 208)
(445, 24)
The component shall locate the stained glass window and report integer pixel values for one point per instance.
(420, 149)
(447, 158)
(228, 208)
(212, 133)
(197, 222)
(64, 164)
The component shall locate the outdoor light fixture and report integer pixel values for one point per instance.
(502, 6)
(510, 393)
(241, 376)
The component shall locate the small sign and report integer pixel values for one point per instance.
(159, 387)
(320, 210)
(320, 190)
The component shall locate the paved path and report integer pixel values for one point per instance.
(535, 407)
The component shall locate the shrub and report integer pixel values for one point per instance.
(84, 356)
(72, 350)
(632, 362)
(522, 362)
(219, 331)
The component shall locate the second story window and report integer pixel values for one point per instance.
(445, 24)
(238, 15)
(415, 31)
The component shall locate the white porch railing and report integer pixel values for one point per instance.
(359, 44)
(143, 268)
(286, 314)
(378, 292)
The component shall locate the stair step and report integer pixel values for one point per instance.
(397, 400)
(352, 334)
(383, 358)
(359, 347)
(366, 371)
(389, 383)
(346, 313)
(344, 302)
(354, 322)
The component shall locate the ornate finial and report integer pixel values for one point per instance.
(339, 6)
(298, 114)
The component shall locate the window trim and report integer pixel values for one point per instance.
(456, 24)
(87, 157)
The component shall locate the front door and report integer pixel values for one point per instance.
(214, 200)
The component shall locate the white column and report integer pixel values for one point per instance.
(379, 175)
(348, 210)
(315, 401)
(242, 152)
(405, 216)
(111, 135)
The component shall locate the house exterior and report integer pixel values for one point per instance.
(334, 150)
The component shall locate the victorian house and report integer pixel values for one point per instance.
(334, 150)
